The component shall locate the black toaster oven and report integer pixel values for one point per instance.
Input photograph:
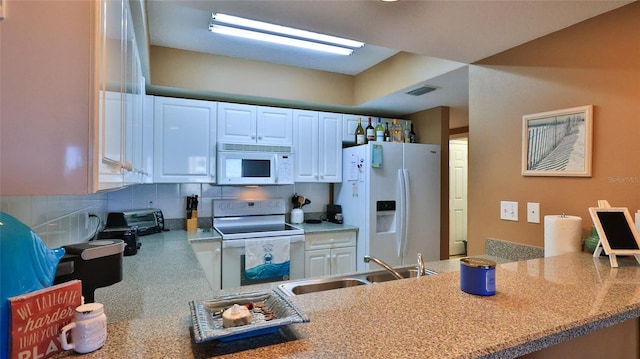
(147, 221)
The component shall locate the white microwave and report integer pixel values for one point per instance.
(241, 164)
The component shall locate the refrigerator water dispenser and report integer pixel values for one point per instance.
(385, 216)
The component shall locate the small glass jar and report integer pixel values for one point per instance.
(478, 276)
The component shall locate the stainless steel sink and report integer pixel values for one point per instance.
(304, 286)
(384, 276)
(319, 285)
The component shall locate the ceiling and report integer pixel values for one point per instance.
(460, 31)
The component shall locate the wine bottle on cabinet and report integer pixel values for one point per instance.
(387, 135)
(396, 132)
(379, 131)
(412, 135)
(371, 132)
(360, 136)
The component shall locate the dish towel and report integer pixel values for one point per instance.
(266, 258)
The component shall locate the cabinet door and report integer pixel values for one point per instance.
(134, 91)
(349, 124)
(236, 123)
(343, 260)
(111, 140)
(305, 129)
(147, 139)
(330, 148)
(184, 140)
(209, 257)
(274, 126)
(317, 263)
(327, 240)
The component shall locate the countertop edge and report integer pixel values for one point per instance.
(563, 335)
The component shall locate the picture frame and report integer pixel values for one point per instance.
(558, 143)
(617, 233)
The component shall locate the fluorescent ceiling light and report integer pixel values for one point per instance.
(258, 30)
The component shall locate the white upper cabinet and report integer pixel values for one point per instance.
(184, 140)
(274, 126)
(305, 134)
(317, 146)
(330, 147)
(236, 123)
(121, 91)
(68, 125)
(249, 124)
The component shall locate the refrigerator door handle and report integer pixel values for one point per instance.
(400, 213)
(406, 212)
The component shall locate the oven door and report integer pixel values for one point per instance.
(246, 168)
(233, 262)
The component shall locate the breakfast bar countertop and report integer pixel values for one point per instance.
(539, 303)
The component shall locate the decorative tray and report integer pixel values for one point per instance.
(207, 317)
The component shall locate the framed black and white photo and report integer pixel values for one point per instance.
(558, 143)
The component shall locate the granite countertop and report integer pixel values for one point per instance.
(148, 313)
(324, 226)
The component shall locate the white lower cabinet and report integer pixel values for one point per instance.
(329, 253)
(209, 254)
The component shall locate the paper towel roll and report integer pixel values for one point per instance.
(638, 221)
(562, 235)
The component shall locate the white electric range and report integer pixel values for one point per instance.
(240, 220)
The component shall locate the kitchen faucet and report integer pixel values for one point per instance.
(384, 265)
(422, 271)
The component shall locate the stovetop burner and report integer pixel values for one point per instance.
(257, 229)
(235, 219)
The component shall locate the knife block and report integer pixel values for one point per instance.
(192, 223)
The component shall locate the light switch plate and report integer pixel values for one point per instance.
(509, 211)
(533, 212)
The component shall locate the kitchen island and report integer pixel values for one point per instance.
(539, 303)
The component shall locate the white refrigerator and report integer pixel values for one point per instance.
(391, 191)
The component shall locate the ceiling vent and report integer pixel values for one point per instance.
(421, 90)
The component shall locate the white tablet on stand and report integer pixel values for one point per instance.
(617, 232)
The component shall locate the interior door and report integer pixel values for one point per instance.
(458, 152)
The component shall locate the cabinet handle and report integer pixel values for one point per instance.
(127, 166)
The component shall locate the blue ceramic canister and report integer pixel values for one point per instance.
(478, 276)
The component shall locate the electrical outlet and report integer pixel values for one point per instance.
(533, 212)
(509, 211)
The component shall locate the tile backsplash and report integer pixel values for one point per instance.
(61, 220)
(58, 220)
(171, 198)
